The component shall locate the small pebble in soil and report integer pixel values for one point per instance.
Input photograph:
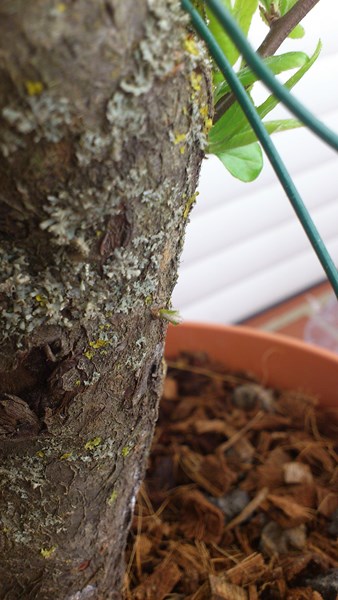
(297, 472)
(275, 540)
(250, 395)
(327, 585)
(88, 593)
(232, 504)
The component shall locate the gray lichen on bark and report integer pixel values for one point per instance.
(104, 114)
(72, 215)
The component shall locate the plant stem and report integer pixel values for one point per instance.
(280, 28)
(279, 31)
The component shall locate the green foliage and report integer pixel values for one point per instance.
(232, 129)
(271, 102)
(242, 11)
(244, 162)
(231, 138)
(277, 64)
(171, 315)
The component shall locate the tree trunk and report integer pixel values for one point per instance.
(104, 113)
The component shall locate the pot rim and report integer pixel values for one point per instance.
(276, 359)
(262, 334)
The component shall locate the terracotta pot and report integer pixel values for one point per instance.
(276, 360)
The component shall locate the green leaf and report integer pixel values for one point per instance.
(285, 5)
(271, 102)
(234, 119)
(248, 136)
(244, 163)
(297, 32)
(242, 11)
(173, 316)
(266, 4)
(216, 28)
(234, 122)
(277, 64)
(221, 37)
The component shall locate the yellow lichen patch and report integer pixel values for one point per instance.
(191, 46)
(61, 7)
(40, 454)
(47, 552)
(111, 499)
(98, 344)
(207, 125)
(196, 79)
(204, 112)
(89, 354)
(78, 382)
(66, 455)
(179, 138)
(34, 88)
(125, 451)
(189, 204)
(91, 444)
(42, 300)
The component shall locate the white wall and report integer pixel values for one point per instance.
(245, 249)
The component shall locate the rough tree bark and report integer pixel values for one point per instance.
(104, 114)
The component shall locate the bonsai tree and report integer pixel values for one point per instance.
(105, 111)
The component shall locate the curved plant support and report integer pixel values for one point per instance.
(248, 108)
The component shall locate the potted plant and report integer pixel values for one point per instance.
(194, 507)
(92, 222)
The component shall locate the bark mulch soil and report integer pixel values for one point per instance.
(241, 495)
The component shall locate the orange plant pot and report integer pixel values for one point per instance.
(275, 360)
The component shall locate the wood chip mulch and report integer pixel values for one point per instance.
(240, 500)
